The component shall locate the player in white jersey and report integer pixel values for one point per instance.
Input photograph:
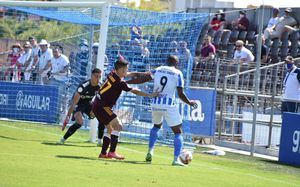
(167, 80)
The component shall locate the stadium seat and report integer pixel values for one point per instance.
(285, 39)
(211, 33)
(242, 35)
(250, 37)
(294, 36)
(217, 38)
(230, 51)
(275, 47)
(284, 51)
(225, 38)
(233, 36)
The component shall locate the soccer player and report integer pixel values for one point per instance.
(81, 104)
(168, 80)
(105, 99)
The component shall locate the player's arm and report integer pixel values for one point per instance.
(184, 98)
(74, 103)
(144, 94)
(140, 78)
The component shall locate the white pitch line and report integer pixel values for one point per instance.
(208, 166)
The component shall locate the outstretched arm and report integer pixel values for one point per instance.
(140, 78)
(144, 94)
(184, 98)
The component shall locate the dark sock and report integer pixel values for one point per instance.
(113, 143)
(105, 145)
(71, 130)
(100, 131)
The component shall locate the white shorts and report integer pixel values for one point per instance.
(170, 114)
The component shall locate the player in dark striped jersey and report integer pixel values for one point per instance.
(81, 104)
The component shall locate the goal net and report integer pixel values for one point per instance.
(87, 34)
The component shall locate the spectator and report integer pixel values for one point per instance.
(13, 72)
(135, 31)
(82, 60)
(291, 83)
(25, 62)
(59, 64)
(274, 19)
(285, 23)
(34, 57)
(95, 47)
(185, 59)
(242, 54)
(45, 56)
(173, 48)
(218, 22)
(242, 23)
(208, 52)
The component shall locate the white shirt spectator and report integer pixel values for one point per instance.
(244, 53)
(58, 64)
(273, 21)
(283, 21)
(43, 60)
(291, 84)
(23, 58)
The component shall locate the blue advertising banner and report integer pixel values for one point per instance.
(28, 102)
(289, 151)
(200, 121)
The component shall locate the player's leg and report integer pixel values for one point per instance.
(174, 120)
(157, 119)
(73, 128)
(117, 127)
(106, 142)
(101, 128)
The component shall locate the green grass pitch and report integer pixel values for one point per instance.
(30, 157)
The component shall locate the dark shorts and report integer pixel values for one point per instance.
(84, 109)
(103, 114)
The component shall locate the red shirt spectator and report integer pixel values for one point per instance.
(217, 23)
(12, 59)
(242, 23)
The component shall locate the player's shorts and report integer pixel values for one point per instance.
(84, 109)
(170, 114)
(103, 114)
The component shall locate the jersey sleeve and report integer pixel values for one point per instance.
(80, 90)
(125, 87)
(180, 81)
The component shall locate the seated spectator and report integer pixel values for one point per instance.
(13, 73)
(208, 52)
(45, 56)
(173, 48)
(242, 54)
(285, 23)
(274, 19)
(95, 47)
(25, 62)
(218, 22)
(135, 31)
(242, 23)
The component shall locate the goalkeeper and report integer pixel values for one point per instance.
(81, 104)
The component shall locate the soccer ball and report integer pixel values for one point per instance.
(186, 156)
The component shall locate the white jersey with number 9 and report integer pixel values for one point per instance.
(166, 81)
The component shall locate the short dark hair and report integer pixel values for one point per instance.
(31, 38)
(120, 63)
(172, 60)
(96, 70)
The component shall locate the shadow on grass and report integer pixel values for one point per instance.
(76, 157)
(280, 163)
(7, 137)
(106, 160)
(68, 144)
